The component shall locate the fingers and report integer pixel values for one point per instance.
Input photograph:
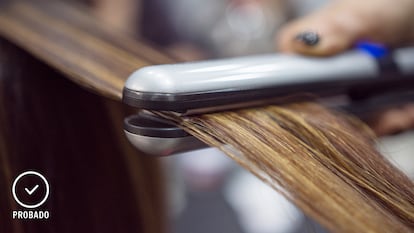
(394, 120)
(337, 26)
(342, 23)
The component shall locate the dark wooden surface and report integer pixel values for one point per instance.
(51, 56)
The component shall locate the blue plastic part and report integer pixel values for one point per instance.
(374, 49)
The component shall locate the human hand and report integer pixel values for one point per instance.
(344, 22)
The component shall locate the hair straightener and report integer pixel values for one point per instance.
(358, 81)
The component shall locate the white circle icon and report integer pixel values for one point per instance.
(27, 173)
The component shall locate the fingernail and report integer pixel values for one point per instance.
(308, 38)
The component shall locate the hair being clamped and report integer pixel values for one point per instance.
(360, 80)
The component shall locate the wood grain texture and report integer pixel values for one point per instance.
(67, 38)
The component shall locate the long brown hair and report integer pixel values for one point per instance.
(324, 161)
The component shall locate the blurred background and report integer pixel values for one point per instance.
(207, 192)
(195, 29)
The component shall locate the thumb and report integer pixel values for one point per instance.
(336, 27)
